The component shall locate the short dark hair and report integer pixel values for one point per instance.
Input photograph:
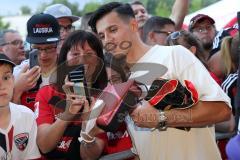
(136, 3)
(76, 38)
(124, 11)
(230, 53)
(4, 32)
(155, 23)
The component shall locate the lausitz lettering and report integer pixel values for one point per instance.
(42, 30)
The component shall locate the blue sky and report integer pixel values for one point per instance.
(10, 7)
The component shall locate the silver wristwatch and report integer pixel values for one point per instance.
(162, 121)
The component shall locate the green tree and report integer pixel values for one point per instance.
(151, 6)
(195, 5)
(199, 4)
(72, 6)
(123, 1)
(162, 8)
(3, 25)
(209, 2)
(25, 10)
(90, 7)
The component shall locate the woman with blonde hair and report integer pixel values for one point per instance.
(225, 61)
(225, 64)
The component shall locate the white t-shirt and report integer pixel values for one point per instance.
(18, 68)
(172, 144)
(18, 141)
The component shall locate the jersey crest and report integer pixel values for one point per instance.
(21, 141)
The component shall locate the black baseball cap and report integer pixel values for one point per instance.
(42, 29)
(5, 59)
(199, 18)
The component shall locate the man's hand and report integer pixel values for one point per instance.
(74, 103)
(27, 79)
(145, 115)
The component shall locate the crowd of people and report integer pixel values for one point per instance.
(44, 116)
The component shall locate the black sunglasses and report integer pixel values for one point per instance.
(68, 28)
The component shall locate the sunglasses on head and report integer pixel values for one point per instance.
(173, 39)
(175, 35)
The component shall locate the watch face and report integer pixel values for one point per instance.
(162, 125)
(162, 116)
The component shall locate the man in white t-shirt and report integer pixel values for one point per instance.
(116, 26)
(18, 128)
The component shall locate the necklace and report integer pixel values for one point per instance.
(46, 74)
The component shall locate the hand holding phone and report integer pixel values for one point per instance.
(77, 76)
(33, 58)
(80, 84)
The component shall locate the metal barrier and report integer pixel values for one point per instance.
(220, 136)
(119, 156)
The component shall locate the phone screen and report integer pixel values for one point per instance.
(80, 85)
(77, 75)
